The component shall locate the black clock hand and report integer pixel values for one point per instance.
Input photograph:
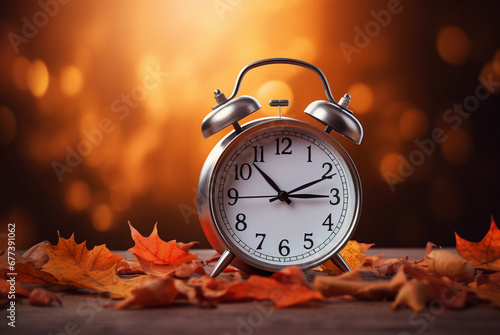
(273, 185)
(308, 196)
(305, 186)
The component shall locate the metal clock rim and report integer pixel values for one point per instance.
(242, 259)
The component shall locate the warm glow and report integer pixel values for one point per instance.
(71, 80)
(274, 89)
(19, 72)
(496, 63)
(488, 72)
(38, 78)
(453, 45)
(389, 164)
(78, 195)
(458, 147)
(413, 124)
(361, 98)
(102, 217)
(120, 197)
(8, 126)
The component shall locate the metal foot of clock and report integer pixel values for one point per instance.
(340, 262)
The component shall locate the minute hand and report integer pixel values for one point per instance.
(311, 183)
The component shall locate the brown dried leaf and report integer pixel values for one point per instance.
(351, 283)
(41, 297)
(414, 294)
(445, 263)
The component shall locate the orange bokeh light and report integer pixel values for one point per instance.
(78, 195)
(362, 98)
(38, 78)
(453, 45)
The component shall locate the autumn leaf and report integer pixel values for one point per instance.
(487, 287)
(284, 288)
(74, 265)
(353, 284)
(484, 254)
(352, 254)
(450, 293)
(161, 258)
(19, 289)
(157, 292)
(41, 297)
(381, 266)
(445, 263)
(414, 294)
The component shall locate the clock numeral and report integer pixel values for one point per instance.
(258, 152)
(259, 247)
(328, 222)
(329, 168)
(334, 193)
(308, 240)
(309, 154)
(232, 194)
(284, 249)
(288, 144)
(245, 171)
(240, 225)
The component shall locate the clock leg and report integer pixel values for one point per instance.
(225, 259)
(340, 263)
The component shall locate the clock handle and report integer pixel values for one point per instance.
(289, 61)
(225, 259)
(340, 262)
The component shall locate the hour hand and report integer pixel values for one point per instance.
(272, 183)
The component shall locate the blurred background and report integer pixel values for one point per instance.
(101, 106)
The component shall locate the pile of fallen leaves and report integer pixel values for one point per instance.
(166, 273)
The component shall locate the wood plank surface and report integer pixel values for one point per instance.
(82, 313)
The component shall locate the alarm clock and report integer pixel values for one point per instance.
(276, 191)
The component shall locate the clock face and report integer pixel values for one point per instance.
(285, 193)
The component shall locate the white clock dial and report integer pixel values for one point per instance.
(285, 195)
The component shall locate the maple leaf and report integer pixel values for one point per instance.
(352, 254)
(484, 254)
(161, 258)
(74, 265)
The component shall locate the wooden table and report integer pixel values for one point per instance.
(82, 314)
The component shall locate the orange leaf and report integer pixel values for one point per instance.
(153, 249)
(352, 254)
(74, 265)
(484, 254)
(160, 258)
(5, 287)
(352, 284)
(41, 297)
